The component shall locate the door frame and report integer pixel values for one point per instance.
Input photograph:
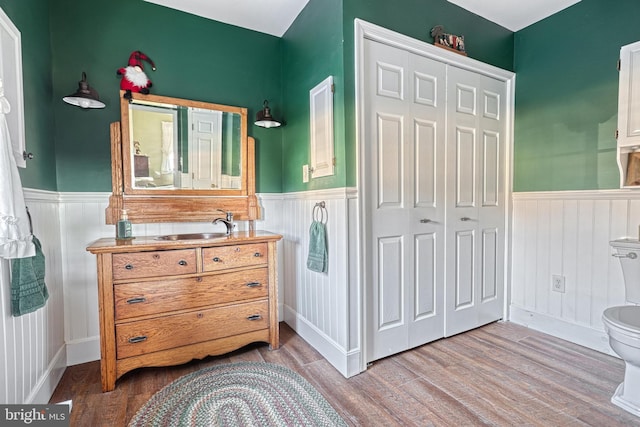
(366, 30)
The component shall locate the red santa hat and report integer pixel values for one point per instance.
(136, 58)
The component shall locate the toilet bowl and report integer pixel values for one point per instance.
(622, 324)
(623, 327)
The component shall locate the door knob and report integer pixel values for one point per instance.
(425, 220)
(465, 218)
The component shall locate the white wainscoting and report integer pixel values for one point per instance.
(568, 234)
(323, 308)
(32, 348)
(565, 233)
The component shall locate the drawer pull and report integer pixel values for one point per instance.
(156, 256)
(129, 267)
(182, 262)
(136, 300)
(254, 317)
(216, 259)
(135, 340)
(253, 284)
(257, 255)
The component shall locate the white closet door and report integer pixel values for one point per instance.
(205, 149)
(476, 134)
(404, 155)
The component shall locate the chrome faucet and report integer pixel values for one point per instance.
(228, 222)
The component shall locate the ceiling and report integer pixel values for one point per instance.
(514, 15)
(275, 16)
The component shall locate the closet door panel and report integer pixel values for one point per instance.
(426, 276)
(464, 269)
(390, 160)
(476, 203)
(426, 150)
(404, 152)
(490, 263)
(465, 167)
(491, 169)
(390, 252)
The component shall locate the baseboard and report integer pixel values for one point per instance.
(347, 363)
(44, 389)
(577, 334)
(83, 351)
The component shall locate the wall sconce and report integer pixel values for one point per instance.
(85, 96)
(264, 119)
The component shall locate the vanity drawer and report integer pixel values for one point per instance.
(150, 264)
(145, 298)
(147, 336)
(224, 257)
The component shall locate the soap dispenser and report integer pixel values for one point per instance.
(123, 227)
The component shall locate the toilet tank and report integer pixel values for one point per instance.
(628, 252)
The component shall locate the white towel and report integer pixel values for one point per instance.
(15, 234)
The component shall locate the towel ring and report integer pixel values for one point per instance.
(320, 213)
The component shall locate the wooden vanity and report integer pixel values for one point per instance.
(164, 303)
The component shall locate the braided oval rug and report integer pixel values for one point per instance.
(238, 394)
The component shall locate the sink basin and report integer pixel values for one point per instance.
(191, 236)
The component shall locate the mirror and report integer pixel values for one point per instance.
(179, 160)
(176, 145)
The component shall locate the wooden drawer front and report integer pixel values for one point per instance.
(225, 257)
(147, 336)
(144, 298)
(149, 264)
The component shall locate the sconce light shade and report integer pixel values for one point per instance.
(85, 96)
(264, 119)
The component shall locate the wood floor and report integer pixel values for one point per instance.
(500, 375)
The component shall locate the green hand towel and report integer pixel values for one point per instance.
(317, 258)
(28, 290)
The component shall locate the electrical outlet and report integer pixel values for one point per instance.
(557, 283)
(305, 173)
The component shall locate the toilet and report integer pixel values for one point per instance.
(622, 324)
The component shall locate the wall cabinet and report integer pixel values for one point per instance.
(165, 303)
(628, 134)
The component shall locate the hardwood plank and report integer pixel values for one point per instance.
(501, 374)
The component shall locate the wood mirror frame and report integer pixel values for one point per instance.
(177, 205)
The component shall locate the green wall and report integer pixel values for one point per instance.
(32, 19)
(312, 51)
(196, 58)
(566, 85)
(567, 94)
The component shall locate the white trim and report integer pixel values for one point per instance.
(331, 193)
(585, 336)
(617, 194)
(86, 197)
(44, 389)
(83, 350)
(347, 363)
(35, 195)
